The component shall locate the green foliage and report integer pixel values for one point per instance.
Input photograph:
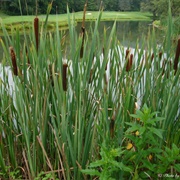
(29, 6)
(45, 176)
(143, 157)
(169, 160)
(107, 165)
(145, 137)
(160, 8)
(10, 174)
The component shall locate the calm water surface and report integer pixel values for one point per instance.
(128, 32)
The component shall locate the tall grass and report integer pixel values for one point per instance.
(64, 105)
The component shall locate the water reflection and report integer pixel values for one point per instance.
(128, 32)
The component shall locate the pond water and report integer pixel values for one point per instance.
(128, 32)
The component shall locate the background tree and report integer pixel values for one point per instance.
(159, 8)
(124, 5)
(135, 5)
(110, 5)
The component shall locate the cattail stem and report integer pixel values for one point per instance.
(27, 57)
(112, 126)
(105, 82)
(103, 51)
(163, 66)
(177, 56)
(91, 75)
(64, 76)
(13, 59)
(51, 74)
(36, 32)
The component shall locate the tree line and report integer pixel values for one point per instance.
(31, 7)
(60, 6)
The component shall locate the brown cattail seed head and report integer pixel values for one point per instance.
(129, 63)
(13, 59)
(36, 31)
(64, 76)
(160, 55)
(82, 45)
(127, 53)
(152, 56)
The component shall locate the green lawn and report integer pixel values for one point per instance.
(90, 15)
(21, 22)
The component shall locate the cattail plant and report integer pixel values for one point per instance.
(13, 59)
(36, 31)
(83, 31)
(177, 56)
(64, 76)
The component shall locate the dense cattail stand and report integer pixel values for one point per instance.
(94, 108)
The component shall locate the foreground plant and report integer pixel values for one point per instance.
(145, 139)
(107, 167)
(141, 155)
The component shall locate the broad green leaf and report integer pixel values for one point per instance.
(91, 172)
(177, 167)
(175, 150)
(121, 166)
(148, 165)
(133, 128)
(97, 163)
(142, 130)
(158, 132)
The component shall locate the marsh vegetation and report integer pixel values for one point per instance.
(99, 111)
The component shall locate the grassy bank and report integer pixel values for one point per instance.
(16, 21)
(90, 15)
